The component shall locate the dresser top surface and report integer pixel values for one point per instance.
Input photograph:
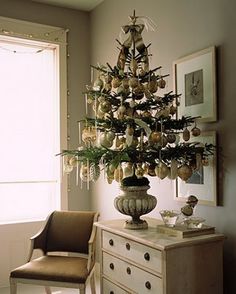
(151, 237)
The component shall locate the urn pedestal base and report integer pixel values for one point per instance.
(135, 202)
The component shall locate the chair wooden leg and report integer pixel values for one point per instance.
(92, 284)
(13, 286)
(47, 290)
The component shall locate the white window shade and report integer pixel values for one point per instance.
(29, 130)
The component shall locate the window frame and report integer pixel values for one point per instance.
(58, 36)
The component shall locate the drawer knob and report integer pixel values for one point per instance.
(112, 266)
(128, 270)
(148, 285)
(127, 245)
(111, 242)
(147, 256)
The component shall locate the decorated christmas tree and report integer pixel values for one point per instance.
(134, 131)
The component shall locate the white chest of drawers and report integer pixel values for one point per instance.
(146, 262)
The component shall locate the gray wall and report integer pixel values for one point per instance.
(183, 27)
(78, 66)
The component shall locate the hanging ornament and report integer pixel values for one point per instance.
(133, 82)
(161, 170)
(104, 141)
(115, 82)
(173, 110)
(152, 86)
(186, 134)
(171, 138)
(118, 174)
(121, 111)
(89, 134)
(134, 142)
(128, 170)
(151, 170)
(161, 83)
(73, 161)
(196, 131)
(148, 94)
(132, 103)
(155, 137)
(94, 172)
(98, 84)
(139, 172)
(67, 168)
(110, 135)
(84, 172)
(205, 162)
(184, 172)
(125, 83)
(105, 106)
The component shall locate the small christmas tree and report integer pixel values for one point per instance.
(134, 131)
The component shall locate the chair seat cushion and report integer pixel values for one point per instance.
(54, 268)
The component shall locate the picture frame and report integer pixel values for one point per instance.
(203, 183)
(195, 81)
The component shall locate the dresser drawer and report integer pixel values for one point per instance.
(132, 277)
(144, 255)
(110, 288)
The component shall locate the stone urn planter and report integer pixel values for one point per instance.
(135, 202)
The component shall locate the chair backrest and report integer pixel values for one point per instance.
(69, 231)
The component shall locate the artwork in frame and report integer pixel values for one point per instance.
(203, 182)
(195, 80)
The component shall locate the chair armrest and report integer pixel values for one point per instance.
(38, 241)
(92, 245)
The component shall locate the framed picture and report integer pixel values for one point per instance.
(195, 80)
(202, 183)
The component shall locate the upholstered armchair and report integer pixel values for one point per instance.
(65, 232)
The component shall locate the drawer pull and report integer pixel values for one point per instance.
(148, 285)
(127, 245)
(112, 266)
(128, 270)
(111, 292)
(111, 242)
(147, 256)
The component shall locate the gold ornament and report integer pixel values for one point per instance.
(139, 172)
(118, 174)
(161, 170)
(161, 83)
(184, 172)
(196, 131)
(155, 137)
(186, 134)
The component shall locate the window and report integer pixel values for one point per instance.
(30, 128)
